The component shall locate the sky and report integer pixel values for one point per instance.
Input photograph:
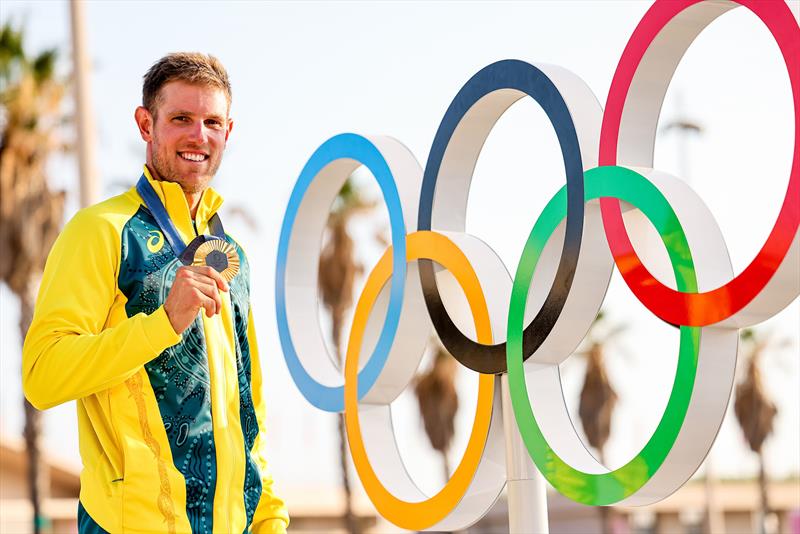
(302, 72)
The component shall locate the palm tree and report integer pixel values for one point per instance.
(754, 409)
(30, 213)
(338, 270)
(598, 398)
(438, 402)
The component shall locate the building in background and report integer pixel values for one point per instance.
(61, 505)
(681, 513)
(318, 509)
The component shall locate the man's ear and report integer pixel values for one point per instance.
(144, 120)
(229, 129)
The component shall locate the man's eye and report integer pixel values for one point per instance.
(212, 122)
(181, 118)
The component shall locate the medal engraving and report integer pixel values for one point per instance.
(220, 255)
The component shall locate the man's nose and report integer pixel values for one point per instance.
(198, 133)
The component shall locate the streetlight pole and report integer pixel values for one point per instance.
(89, 189)
(683, 128)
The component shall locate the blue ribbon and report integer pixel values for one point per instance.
(163, 220)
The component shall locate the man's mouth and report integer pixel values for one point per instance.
(193, 156)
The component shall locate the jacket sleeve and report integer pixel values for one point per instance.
(271, 515)
(69, 352)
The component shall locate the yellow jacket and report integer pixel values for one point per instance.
(171, 426)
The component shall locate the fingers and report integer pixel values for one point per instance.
(206, 287)
(211, 305)
(209, 290)
(194, 289)
(207, 272)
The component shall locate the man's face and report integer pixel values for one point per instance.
(187, 135)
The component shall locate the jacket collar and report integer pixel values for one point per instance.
(175, 203)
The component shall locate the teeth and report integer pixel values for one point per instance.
(192, 157)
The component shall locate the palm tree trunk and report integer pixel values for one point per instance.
(36, 472)
(714, 518)
(604, 511)
(605, 519)
(350, 519)
(38, 477)
(762, 486)
(446, 466)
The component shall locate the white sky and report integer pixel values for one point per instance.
(302, 72)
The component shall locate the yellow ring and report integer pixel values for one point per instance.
(424, 514)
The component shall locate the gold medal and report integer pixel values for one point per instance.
(220, 255)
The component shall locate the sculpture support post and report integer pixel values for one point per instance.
(526, 488)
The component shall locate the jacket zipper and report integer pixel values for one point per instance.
(234, 456)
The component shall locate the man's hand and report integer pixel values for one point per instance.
(194, 288)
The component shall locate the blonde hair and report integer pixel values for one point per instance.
(189, 67)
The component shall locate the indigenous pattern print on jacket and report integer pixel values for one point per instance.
(179, 376)
(171, 426)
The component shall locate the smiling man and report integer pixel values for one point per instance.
(144, 318)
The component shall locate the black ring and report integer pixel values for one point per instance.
(465, 123)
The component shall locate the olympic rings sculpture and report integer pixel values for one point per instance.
(528, 325)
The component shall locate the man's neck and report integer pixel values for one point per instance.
(192, 199)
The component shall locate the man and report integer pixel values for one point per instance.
(160, 355)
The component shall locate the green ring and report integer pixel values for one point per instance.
(612, 487)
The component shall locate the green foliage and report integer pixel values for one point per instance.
(747, 335)
(11, 53)
(14, 63)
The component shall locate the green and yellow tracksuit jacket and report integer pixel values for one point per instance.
(171, 426)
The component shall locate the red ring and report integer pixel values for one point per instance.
(700, 309)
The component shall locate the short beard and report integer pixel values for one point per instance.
(167, 174)
(164, 172)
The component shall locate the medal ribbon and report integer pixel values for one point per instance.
(163, 220)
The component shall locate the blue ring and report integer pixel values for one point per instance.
(528, 79)
(360, 149)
